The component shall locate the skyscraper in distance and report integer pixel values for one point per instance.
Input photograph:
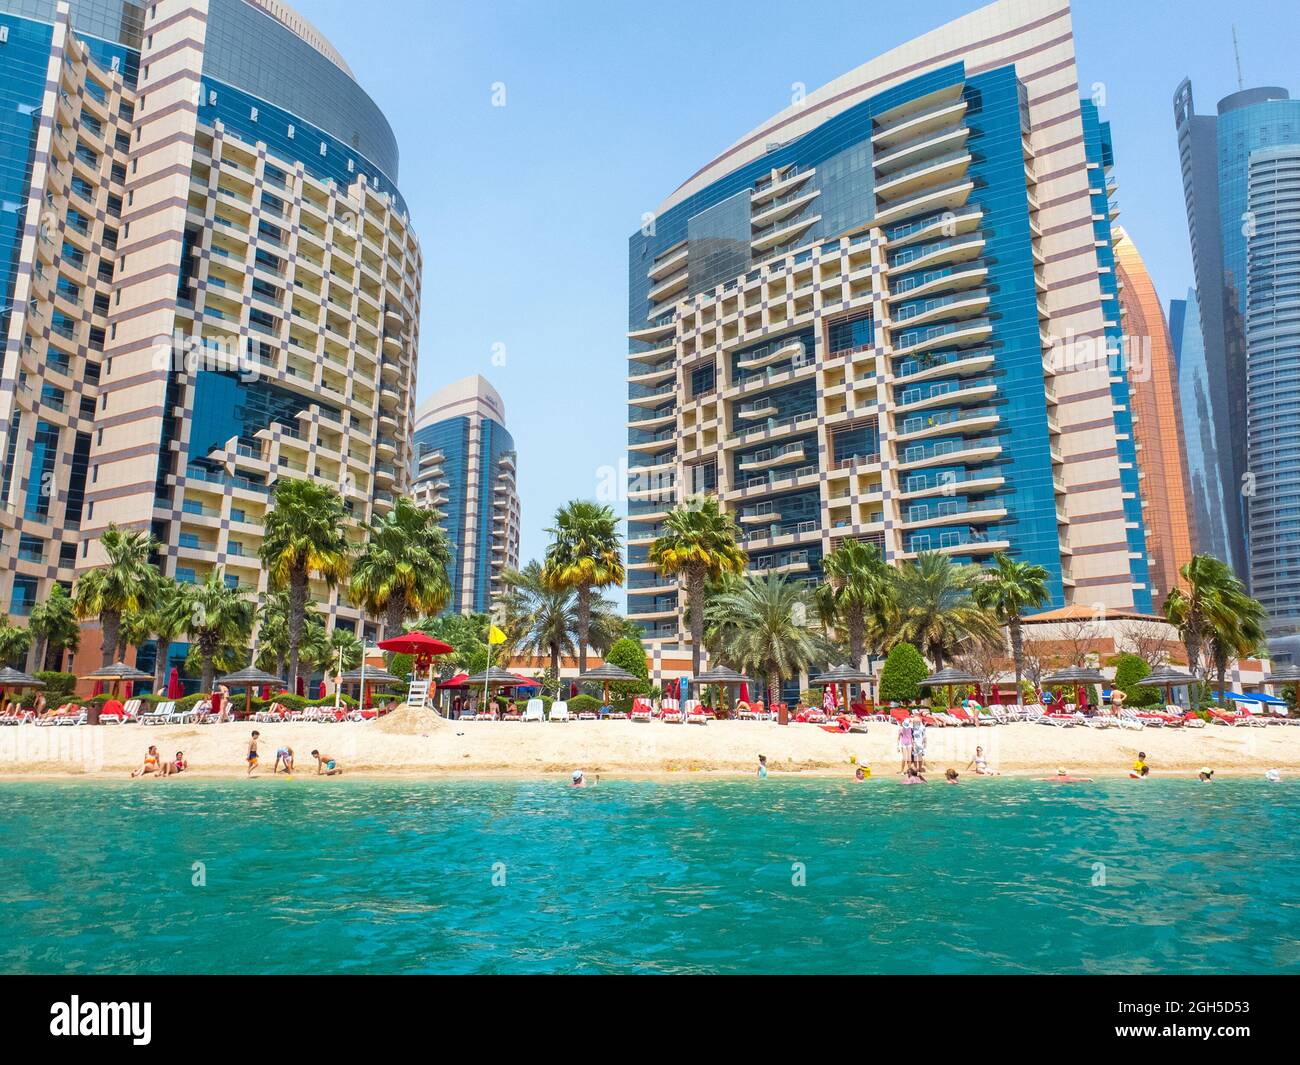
(884, 314)
(1157, 420)
(211, 282)
(465, 463)
(1215, 155)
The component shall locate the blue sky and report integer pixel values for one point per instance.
(524, 210)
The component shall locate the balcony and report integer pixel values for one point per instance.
(670, 263)
(912, 152)
(780, 232)
(788, 179)
(944, 393)
(945, 364)
(949, 196)
(950, 452)
(918, 427)
(772, 211)
(917, 119)
(909, 180)
(786, 348)
(914, 341)
(771, 457)
(760, 408)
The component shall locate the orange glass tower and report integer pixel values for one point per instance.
(1157, 421)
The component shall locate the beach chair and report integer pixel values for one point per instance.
(949, 718)
(157, 715)
(131, 710)
(696, 716)
(534, 711)
(961, 716)
(642, 713)
(899, 715)
(559, 711)
(671, 715)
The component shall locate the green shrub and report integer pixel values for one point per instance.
(901, 678)
(580, 703)
(1129, 671)
(630, 655)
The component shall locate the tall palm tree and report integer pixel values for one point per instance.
(1212, 595)
(403, 568)
(1238, 634)
(586, 553)
(123, 585)
(767, 625)
(340, 640)
(937, 608)
(698, 545)
(218, 620)
(303, 535)
(164, 620)
(541, 620)
(54, 628)
(1008, 589)
(857, 596)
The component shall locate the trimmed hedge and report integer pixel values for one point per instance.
(902, 675)
(580, 703)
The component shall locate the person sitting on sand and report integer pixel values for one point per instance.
(950, 776)
(1206, 774)
(150, 763)
(283, 756)
(913, 776)
(176, 765)
(762, 767)
(325, 764)
(252, 752)
(1063, 777)
(981, 764)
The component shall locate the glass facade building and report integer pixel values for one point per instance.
(889, 314)
(465, 469)
(1273, 384)
(1215, 153)
(211, 283)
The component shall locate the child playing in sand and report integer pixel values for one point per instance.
(283, 755)
(325, 764)
(252, 753)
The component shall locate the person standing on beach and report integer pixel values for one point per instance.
(918, 744)
(252, 752)
(905, 744)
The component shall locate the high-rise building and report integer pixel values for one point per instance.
(1273, 386)
(886, 314)
(465, 469)
(1209, 495)
(212, 283)
(1215, 152)
(1157, 421)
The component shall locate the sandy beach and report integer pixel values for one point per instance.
(410, 745)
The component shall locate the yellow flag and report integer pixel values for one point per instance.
(495, 635)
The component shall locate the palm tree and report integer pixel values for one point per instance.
(1236, 634)
(123, 585)
(541, 620)
(767, 625)
(164, 621)
(586, 553)
(698, 545)
(857, 597)
(1008, 589)
(303, 535)
(53, 625)
(402, 569)
(218, 620)
(1212, 595)
(14, 641)
(937, 608)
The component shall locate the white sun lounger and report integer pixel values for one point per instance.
(559, 711)
(159, 714)
(534, 711)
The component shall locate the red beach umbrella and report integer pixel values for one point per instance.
(417, 644)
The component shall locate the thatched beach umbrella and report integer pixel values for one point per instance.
(1167, 679)
(949, 678)
(1077, 676)
(722, 676)
(1286, 674)
(117, 673)
(845, 675)
(604, 674)
(12, 678)
(365, 677)
(248, 679)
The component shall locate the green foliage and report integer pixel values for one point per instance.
(1129, 671)
(58, 686)
(403, 566)
(14, 642)
(902, 674)
(630, 655)
(401, 665)
(580, 703)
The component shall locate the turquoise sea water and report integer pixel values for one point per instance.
(694, 876)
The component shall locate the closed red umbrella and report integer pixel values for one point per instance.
(174, 689)
(98, 689)
(301, 690)
(744, 693)
(322, 689)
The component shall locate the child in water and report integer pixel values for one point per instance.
(762, 767)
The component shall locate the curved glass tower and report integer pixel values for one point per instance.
(212, 281)
(890, 313)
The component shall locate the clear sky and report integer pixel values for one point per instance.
(524, 210)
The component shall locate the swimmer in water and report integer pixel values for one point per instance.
(913, 776)
(951, 776)
(580, 780)
(1063, 777)
(762, 766)
(1206, 774)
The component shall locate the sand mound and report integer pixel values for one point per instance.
(407, 721)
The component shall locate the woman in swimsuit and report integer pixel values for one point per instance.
(150, 763)
(177, 765)
(981, 764)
